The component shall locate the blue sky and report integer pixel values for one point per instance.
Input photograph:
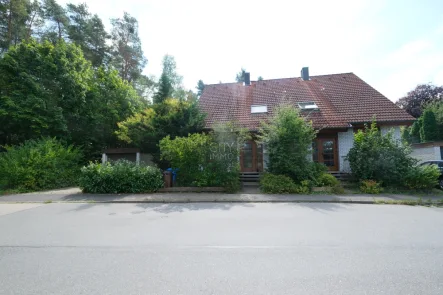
(393, 45)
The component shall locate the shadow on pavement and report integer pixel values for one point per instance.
(180, 207)
(323, 207)
(93, 197)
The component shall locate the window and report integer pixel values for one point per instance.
(309, 105)
(256, 109)
(441, 152)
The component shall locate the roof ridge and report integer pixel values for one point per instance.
(286, 78)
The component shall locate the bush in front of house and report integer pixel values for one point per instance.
(326, 179)
(370, 186)
(379, 157)
(39, 164)
(422, 177)
(120, 177)
(288, 138)
(282, 184)
(206, 160)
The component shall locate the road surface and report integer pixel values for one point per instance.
(220, 248)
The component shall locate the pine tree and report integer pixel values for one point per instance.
(165, 89)
(127, 51)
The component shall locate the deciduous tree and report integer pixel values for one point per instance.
(416, 100)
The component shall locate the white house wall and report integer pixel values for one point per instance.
(396, 132)
(429, 153)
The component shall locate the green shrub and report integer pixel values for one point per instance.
(281, 184)
(379, 157)
(288, 138)
(39, 164)
(422, 178)
(370, 187)
(327, 179)
(206, 159)
(120, 177)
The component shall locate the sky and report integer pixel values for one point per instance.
(393, 45)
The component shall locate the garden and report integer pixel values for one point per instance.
(379, 162)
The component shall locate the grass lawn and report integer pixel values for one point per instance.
(353, 188)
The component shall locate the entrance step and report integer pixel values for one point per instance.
(250, 176)
(340, 175)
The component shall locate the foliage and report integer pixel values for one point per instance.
(205, 159)
(19, 19)
(111, 100)
(288, 138)
(88, 32)
(327, 179)
(437, 109)
(173, 118)
(281, 184)
(120, 177)
(200, 87)
(240, 77)
(170, 70)
(428, 127)
(164, 90)
(170, 83)
(429, 130)
(422, 177)
(145, 87)
(51, 90)
(369, 186)
(39, 164)
(379, 157)
(260, 78)
(42, 90)
(416, 100)
(127, 51)
(58, 21)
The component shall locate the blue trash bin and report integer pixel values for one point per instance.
(174, 174)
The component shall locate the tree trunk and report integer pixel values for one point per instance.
(10, 23)
(59, 31)
(28, 35)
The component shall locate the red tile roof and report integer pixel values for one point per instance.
(342, 99)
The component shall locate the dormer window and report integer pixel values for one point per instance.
(309, 105)
(257, 109)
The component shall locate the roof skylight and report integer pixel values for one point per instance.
(257, 109)
(309, 105)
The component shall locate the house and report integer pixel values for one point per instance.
(338, 105)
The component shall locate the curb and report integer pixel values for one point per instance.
(381, 202)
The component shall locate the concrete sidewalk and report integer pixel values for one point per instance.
(75, 195)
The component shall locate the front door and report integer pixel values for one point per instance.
(251, 157)
(325, 151)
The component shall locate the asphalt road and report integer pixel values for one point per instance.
(220, 248)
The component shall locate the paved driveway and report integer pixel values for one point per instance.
(210, 248)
